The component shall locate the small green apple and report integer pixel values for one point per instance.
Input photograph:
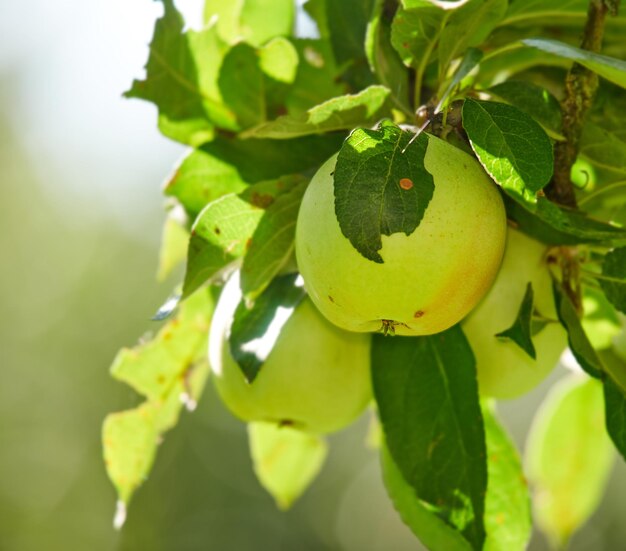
(504, 369)
(430, 279)
(316, 376)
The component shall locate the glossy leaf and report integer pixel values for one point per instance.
(555, 225)
(285, 460)
(427, 396)
(369, 198)
(569, 457)
(511, 146)
(534, 100)
(610, 68)
(255, 329)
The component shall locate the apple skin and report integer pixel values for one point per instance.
(504, 369)
(316, 377)
(430, 279)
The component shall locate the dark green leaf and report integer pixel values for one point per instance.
(229, 166)
(533, 100)
(383, 59)
(610, 68)
(521, 331)
(181, 80)
(317, 11)
(603, 148)
(579, 343)
(468, 26)
(507, 506)
(370, 199)
(254, 330)
(433, 532)
(427, 397)
(347, 23)
(511, 146)
(272, 242)
(555, 225)
(615, 404)
(613, 279)
(252, 21)
(241, 83)
(340, 113)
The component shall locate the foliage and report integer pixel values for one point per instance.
(263, 108)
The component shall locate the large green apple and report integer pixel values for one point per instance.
(316, 376)
(504, 369)
(430, 279)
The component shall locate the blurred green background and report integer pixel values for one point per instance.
(80, 223)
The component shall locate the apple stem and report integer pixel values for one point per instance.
(581, 85)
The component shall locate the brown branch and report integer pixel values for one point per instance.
(580, 89)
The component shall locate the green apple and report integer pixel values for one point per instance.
(430, 279)
(316, 376)
(504, 369)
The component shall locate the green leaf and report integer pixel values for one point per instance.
(383, 60)
(534, 100)
(129, 440)
(272, 242)
(285, 460)
(603, 148)
(433, 532)
(578, 340)
(252, 21)
(317, 79)
(255, 330)
(241, 83)
(181, 80)
(170, 370)
(470, 60)
(154, 367)
(610, 68)
(600, 321)
(223, 230)
(381, 186)
(511, 146)
(613, 279)
(469, 26)
(507, 505)
(347, 25)
(427, 396)
(557, 11)
(615, 404)
(340, 113)
(521, 330)
(279, 60)
(568, 457)
(230, 165)
(173, 250)
(555, 225)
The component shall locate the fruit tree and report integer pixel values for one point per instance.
(409, 207)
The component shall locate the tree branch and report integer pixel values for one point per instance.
(580, 89)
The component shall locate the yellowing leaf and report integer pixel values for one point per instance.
(286, 460)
